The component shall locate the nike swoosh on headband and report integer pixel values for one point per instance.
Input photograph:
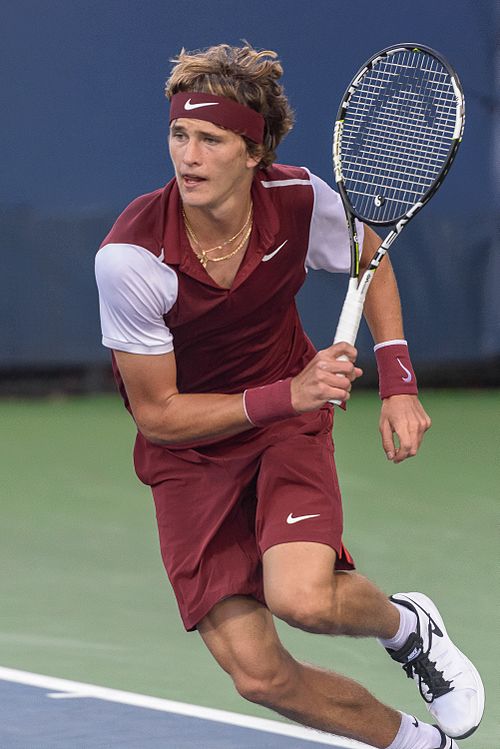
(188, 104)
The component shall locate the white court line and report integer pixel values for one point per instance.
(66, 695)
(78, 689)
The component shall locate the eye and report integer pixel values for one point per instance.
(211, 139)
(177, 135)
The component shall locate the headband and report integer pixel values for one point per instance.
(220, 111)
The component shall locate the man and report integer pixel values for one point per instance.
(232, 404)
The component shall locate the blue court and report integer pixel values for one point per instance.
(38, 712)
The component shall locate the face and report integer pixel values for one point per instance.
(212, 165)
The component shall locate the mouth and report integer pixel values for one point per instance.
(191, 180)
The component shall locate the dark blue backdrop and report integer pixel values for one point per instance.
(84, 131)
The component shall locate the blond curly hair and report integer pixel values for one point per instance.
(245, 75)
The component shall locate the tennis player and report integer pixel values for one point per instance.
(197, 285)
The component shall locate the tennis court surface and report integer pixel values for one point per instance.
(41, 712)
(84, 597)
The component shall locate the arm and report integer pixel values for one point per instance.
(401, 415)
(165, 416)
(135, 292)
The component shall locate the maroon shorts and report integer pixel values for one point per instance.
(224, 504)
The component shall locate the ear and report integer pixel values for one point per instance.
(254, 155)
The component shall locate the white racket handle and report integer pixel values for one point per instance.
(350, 316)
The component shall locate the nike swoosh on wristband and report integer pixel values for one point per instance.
(291, 520)
(409, 376)
(189, 106)
(272, 254)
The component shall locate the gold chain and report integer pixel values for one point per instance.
(202, 255)
(190, 231)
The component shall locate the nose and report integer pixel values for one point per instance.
(191, 153)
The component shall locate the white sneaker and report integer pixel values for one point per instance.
(447, 680)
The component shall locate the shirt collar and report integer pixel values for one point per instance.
(178, 251)
(175, 241)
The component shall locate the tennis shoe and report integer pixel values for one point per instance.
(446, 679)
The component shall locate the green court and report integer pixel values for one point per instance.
(84, 595)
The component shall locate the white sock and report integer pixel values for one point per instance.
(407, 625)
(413, 734)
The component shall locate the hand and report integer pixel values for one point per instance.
(325, 378)
(405, 417)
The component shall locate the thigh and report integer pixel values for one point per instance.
(298, 574)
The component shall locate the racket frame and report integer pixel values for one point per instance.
(352, 310)
(399, 223)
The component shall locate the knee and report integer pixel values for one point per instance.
(310, 609)
(265, 685)
(262, 673)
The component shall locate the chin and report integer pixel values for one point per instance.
(195, 200)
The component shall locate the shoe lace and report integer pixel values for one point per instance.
(428, 675)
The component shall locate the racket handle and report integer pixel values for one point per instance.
(350, 320)
(350, 316)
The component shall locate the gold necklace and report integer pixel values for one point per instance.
(220, 246)
(202, 255)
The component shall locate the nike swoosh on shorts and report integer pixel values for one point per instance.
(291, 520)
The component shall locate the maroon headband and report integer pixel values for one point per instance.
(220, 111)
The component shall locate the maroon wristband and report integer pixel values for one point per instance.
(269, 403)
(395, 371)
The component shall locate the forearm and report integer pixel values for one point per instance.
(166, 416)
(384, 317)
(382, 308)
(191, 417)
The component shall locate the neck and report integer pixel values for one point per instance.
(216, 225)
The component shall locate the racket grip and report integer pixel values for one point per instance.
(349, 320)
(350, 316)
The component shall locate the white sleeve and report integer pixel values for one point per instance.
(328, 237)
(135, 290)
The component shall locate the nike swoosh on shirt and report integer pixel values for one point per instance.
(188, 104)
(272, 254)
(409, 375)
(291, 520)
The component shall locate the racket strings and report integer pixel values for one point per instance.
(397, 133)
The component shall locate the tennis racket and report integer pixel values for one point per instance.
(398, 129)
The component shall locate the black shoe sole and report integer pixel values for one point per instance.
(466, 735)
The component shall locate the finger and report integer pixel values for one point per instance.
(337, 381)
(425, 421)
(408, 444)
(327, 360)
(343, 349)
(349, 372)
(388, 443)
